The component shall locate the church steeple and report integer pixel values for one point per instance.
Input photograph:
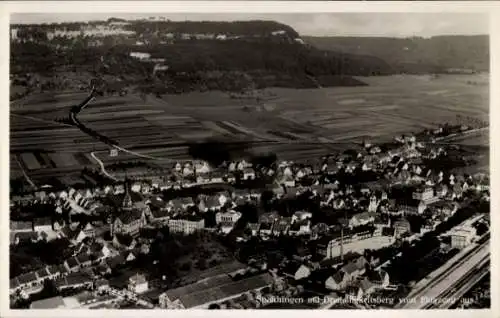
(127, 200)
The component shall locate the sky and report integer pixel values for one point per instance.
(314, 24)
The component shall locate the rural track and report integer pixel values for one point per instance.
(103, 168)
(77, 109)
(23, 170)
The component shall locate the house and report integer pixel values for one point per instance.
(441, 190)
(54, 272)
(301, 216)
(288, 181)
(363, 218)
(402, 226)
(74, 280)
(379, 278)
(101, 284)
(42, 225)
(27, 280)
(297, 270)
(180, 204)
(124, 241)
(254, 228)
(248, 174)
(300, 228)
(84, 260)
(130, 256)
(456, 192)
(367, 286)
(80, 237)
(355, 267)
(25, 237)
(318, 230)
(20, 226)
(42, 274)
(412, 206)
(159, 215)
(116, 261)
(429, 225)
(72, 264)
(103, 269)
(158, 210)
(338, 281)
(444, 208)
(354, 292)
(138, 284)
(212, 203)
(280, 227)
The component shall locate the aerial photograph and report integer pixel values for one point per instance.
(249, 161)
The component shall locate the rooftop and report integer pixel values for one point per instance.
(211, 290)
(138, 279)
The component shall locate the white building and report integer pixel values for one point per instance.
(426, 194)
(140, 55)
(462, 236)
(138, 284)
(185, 226)
(300, 216)
(229, 217)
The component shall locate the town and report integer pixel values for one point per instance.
(176, 163)
(369, 223)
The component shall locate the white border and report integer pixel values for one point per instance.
(6, 8)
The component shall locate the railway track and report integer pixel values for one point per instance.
(424, 291)
(460, 288)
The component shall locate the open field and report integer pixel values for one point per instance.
(336, 117)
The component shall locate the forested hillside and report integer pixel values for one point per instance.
(412, 54)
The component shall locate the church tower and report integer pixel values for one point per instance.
(127, 200)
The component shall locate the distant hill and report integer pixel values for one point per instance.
(229, 56)
(252, 28)
(412, 54)
(252, 54)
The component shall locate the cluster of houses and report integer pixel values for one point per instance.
(370, 216)
(355, 278)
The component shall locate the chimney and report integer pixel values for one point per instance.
(342, 244)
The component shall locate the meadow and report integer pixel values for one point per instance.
(308, 123)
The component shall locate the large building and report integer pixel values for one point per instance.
(187, 225)
(132, 217)
(229, 217)
(212, 291)
(462, 236)
(412, 206)
(424, 194)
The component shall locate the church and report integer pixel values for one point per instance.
(131, 216)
